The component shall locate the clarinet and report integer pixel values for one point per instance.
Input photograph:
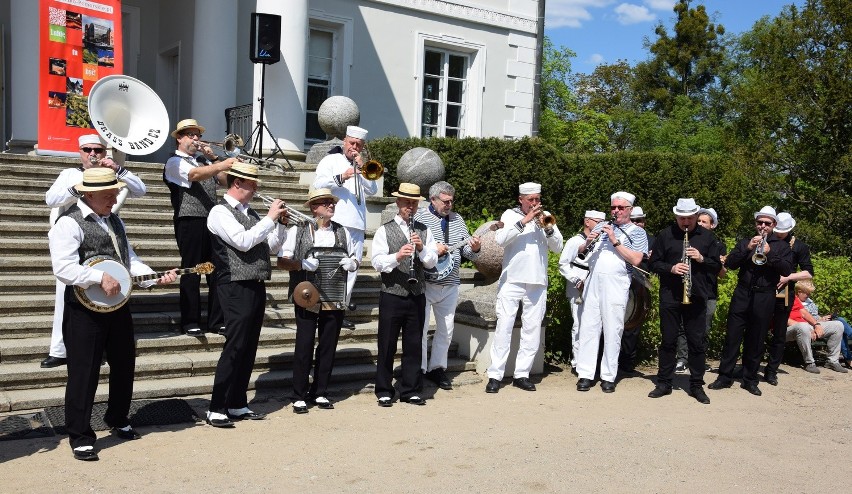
(412, 276)
(687, 277)
(591, 245)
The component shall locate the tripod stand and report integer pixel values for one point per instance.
(261, 127)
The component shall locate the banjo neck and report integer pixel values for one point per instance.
(153, 276)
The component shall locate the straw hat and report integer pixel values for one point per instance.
(187, 123)
(98, 178)
(408, 191)
(323, 193)
(245, 171)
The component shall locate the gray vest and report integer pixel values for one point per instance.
(97, 242)
(235, 265)
(304, 243)
(396, 282)
(198, 199)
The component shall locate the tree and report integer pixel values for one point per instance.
(686, 64)
(793, 102)
(557, 101)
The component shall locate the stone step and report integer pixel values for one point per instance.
(169, 387)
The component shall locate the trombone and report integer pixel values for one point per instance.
(231, 145)
(372, 169)
(295, 215)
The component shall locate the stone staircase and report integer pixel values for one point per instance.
(168, 364)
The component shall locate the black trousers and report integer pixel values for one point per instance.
(193, 240)
(327, 324)
(692, 317)
(406, 315)
(629, 349)
(243, 304)
(779, 333)
(87, 335)
(749, 316)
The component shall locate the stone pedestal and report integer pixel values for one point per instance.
(474, 331)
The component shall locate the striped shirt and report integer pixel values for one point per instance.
(457, 233)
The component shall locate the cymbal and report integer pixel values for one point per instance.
(306, 295)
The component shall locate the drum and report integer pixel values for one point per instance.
(638, 302)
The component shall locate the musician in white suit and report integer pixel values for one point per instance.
(442, 282)
(523, 280)
(60, 197)
(86, 230)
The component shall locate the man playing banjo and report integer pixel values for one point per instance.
(442, 282)
(87, 230)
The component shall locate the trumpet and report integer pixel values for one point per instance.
(372, 169)
(545, 221)
(295, 215)
(759, 257)
(231, 147)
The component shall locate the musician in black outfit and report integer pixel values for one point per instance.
(191, 174)
(685, 264)
(323, 318)
(753, 301)
(86, 230)
(786, 285)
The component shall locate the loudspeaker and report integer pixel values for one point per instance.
(265, 38)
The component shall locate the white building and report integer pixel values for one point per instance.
(415, 67)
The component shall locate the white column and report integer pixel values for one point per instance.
(285, 95)
(214, 51)
(24, 61)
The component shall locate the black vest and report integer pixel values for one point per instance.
(304, 243)
(396, 282)
(235, 265)
(198, 199)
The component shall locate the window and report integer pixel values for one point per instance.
(444, 93)
(320, 67)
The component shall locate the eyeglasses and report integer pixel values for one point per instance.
(191, 134)
(763, 223)
(447, 202)
(88, 150)
(328, 202)
(620, 208)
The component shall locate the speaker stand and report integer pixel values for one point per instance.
(261, 127)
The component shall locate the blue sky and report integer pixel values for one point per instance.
(605, 31)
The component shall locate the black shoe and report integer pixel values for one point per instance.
(85, 454)
(493, 386)
(219, 422)
(126, 433)
(324, 405)
(222, 330)
(523, 383)
(352, 306)
(52, 361)
(300, 409)
(584, 384)
(414, 400)
(348, 324)
(250, 415)
(698, 393)
(439, 377)
(386, 402)
(193, 330)
(771, 378)
(607, 387)
(721, 383)
(751, 388)
(660, 391)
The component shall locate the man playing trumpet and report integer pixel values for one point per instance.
(340, 171)
(320, 319)
(686, 256)
(525, 239)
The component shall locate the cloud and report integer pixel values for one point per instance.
(629, 13)
(595, 59)
(666, 5)
(571, 13)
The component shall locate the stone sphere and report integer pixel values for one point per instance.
(489, 262)
(420, 166)
(336, 113)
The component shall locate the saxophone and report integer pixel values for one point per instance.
(687, 277)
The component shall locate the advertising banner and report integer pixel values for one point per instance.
(80, 42)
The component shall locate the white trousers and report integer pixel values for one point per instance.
(575, 330)
(442, 299)
(534, 298)
(57, 344)
(603, 307)
(356, 245)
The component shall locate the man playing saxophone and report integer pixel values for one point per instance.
(686, 256)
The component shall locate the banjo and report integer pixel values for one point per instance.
(95, 299)
(446, 263)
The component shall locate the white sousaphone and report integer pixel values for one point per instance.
(128, 114)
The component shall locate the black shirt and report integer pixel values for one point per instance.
(668, 251)
(779, 262)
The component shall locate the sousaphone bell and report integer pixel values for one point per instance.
(128, 114)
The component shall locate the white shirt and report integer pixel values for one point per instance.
(525, 251)
(177, 171)
(348, 212)
(221, 222)
(63, 195)
(65, 238)
(323, 237)
(604, 258)
(385, 261)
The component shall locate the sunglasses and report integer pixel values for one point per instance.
(763, 223)
(620, 208)
(88, 150)
(324, 203)
(191, 134)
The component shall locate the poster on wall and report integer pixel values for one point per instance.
(80, 42)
